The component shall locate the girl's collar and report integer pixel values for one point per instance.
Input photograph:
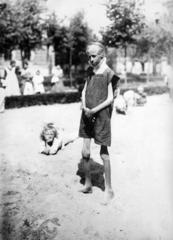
(100, 68)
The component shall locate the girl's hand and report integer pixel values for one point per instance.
(46, 151)
(89, 112)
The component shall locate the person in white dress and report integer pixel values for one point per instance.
(38, 80)
(12, 83)
(2, 88)
(57, 79)
(27, 85)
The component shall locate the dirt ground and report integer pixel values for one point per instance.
(39, 194)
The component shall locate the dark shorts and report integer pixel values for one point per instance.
(99, 130)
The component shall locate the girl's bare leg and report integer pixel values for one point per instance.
(68, 138)
(87, 162)
(109, 194)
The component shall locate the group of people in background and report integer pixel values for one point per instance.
(31, 84)
(15, 81)
(129, 99)
(22, 81)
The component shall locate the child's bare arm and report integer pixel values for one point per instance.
(57, 144)
(90, 112)
(116, 93)
(83, 95)
(43, 148)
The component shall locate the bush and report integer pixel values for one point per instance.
(152, 90)
(66, 81)
(66, 97)
(141, 78)
(41, 99)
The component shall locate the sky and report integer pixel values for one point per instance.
(95, 12)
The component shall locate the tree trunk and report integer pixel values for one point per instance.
(125, 67)
(148, 70)
(2, 59)
(70, 64)
(143, 66)
(21, 54)
(154, 67)
(27, 54)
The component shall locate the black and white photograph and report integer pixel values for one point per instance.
(86, 120)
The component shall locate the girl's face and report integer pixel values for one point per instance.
(94, 56)
(25, 66)
(49, 136)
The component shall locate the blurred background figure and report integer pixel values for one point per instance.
(26, 80)
(2, 87)
(130, 99)
(57, 79)
(38, 80)
(12, 84)
(169, 80)
(140, 96)
(120, 105)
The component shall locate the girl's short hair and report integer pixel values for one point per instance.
(101, 48)
(12, 62)
(46, 127)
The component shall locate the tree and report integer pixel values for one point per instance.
(126, 22)
(29, 28)
(155, 41)
(21, 26)
(8, 39)
(69, 41)
(78, 37)
(57, 37)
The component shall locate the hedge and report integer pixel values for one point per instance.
(41, 99)
(65, 97)
(141, 78)
(151, 90)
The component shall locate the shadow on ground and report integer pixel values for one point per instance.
(97, 171)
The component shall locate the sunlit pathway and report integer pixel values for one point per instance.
(45, 187)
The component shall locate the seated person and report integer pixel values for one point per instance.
(120, 105)
(129, 97)
(38, 80)
(141, 96)
(53, 139)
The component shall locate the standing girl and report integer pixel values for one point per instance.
(97, 100)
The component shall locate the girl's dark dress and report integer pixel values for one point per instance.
(96, 93)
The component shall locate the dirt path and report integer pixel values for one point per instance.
(39, 194)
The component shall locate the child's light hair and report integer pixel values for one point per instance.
(46, 127)
(140, 89)
(101, 50)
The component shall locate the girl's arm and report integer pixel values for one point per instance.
(89, 112)
(57, 144)
(83, 96)
(43, 148)
(41, 79)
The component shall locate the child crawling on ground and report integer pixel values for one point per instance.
(53, 139)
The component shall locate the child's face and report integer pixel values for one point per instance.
(49, 136)
(13, 64)
(25, 66)
(94, 56)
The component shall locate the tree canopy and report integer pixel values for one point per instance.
(69, 41)
(126, 22)
(21, 26)
(155, 41)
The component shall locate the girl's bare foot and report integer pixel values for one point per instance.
(109, 194)
(86, 190)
